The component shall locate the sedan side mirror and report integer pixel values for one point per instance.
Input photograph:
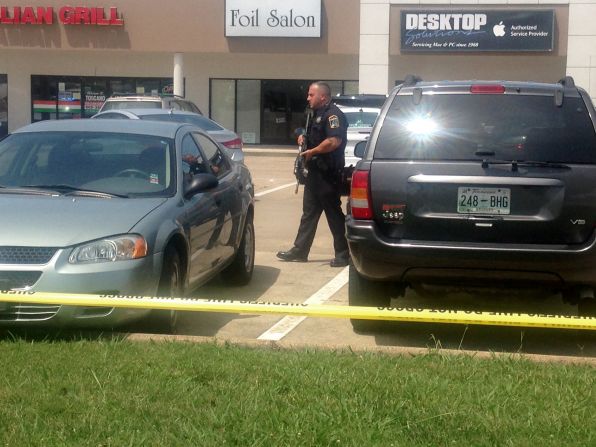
(359, 149)
(200, 183)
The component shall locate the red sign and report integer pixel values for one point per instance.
(67, 15)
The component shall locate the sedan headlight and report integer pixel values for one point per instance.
(117, 248)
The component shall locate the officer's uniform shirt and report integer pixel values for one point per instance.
(327, 122)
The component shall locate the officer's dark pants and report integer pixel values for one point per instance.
(320, 195)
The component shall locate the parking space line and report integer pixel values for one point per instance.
(268, 191)
(287, 324)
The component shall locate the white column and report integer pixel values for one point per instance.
(581, 46)
(373, 69)
(179, 74)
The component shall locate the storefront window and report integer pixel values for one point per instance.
(3, 105)
(350, 87)
(223, 102)
(68, 97)
(265, 111)
(69, 100)
(122, 87)
(44, 94)
(148, 87)
(94, 96)
(248, 111)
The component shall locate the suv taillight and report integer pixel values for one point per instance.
(360, 202)
(236, 143)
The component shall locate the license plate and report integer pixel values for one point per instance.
(483, 200)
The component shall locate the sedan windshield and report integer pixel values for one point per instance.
(114, 163)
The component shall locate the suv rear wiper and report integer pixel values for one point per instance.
(529, 163)
(546, 164)
(75, 189)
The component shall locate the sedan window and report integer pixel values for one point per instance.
(114, 163)
(192, 160)
(217, 159)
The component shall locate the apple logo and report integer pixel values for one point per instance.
(499, 30)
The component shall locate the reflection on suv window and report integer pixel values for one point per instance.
(469, 127)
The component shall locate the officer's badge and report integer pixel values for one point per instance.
(318, 120)
(333, 121)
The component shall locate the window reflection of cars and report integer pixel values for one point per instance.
(111, 207)
(360, 122)
(228, 138)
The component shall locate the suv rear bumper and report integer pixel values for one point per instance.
(379, 258)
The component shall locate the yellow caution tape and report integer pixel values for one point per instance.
(408, 314)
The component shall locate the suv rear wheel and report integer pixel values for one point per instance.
(364, 292)
(586, 307)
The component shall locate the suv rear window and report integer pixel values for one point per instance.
(471, 127)
(361, 119)
(112, 105)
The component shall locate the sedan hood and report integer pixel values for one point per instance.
(61, 221)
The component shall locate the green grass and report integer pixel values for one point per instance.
(120, 393)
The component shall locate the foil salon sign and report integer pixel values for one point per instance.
(273, 18)
(477, 30)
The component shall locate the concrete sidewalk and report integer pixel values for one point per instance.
(272, 151)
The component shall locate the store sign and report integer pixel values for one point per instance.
(477, 30)
(94, 101)
(66, 15)
(273, 18)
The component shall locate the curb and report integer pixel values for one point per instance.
(355, 348)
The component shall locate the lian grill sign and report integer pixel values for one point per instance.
(66, 15)
(477, 30)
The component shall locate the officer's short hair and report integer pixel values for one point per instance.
(324, 87)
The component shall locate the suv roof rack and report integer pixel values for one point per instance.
(567, 81)
(119, 94)
(411, 80)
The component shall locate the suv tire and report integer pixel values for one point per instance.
(364, 292)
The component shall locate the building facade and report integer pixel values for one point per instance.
(248, 63)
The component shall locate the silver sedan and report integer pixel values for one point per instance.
(360, 123)
(228, 138)
(118, 207)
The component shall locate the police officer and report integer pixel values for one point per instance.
(326, 141)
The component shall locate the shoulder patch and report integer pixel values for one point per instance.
(333, 121)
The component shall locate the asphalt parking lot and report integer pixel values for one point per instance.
(277, 215)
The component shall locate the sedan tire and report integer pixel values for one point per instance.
(239, 272)
(170, 285)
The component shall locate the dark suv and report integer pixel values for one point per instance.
(476, 183)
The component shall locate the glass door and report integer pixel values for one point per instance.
(283, 104)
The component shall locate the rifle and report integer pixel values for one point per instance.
(300, 169)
